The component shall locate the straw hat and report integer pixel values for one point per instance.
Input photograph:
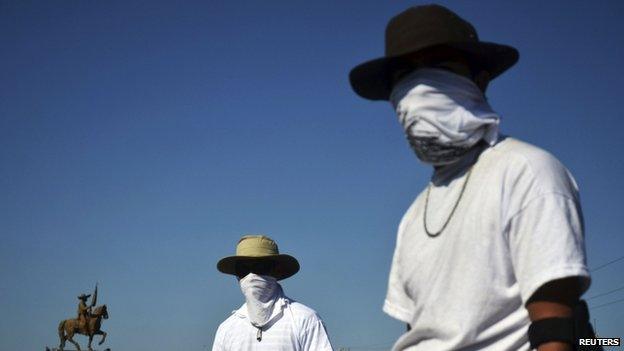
(260, 248)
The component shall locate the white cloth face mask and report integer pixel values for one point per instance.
(261, 293)
(443, 114)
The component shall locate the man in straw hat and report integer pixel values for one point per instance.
(490, 256)
(268, 320)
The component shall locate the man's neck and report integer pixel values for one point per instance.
(443, 174)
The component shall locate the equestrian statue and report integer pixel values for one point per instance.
(88, 322)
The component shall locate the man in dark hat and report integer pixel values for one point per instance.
(268, 320)
(490, 256)
(84, 311)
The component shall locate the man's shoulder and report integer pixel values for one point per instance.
(515, 150)
(301, 311)
(518, 154)
(229, 322)
(304, 317)
(515, 159)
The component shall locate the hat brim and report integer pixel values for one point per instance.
(373, 79)
(285, 265)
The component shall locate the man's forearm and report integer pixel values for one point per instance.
(554, 300)
(539, 310)
(554, 346)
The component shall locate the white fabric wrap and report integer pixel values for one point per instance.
(437, 103)
(261, 293)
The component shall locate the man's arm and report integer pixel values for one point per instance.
(555, 299)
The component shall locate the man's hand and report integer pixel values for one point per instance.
(554, 299)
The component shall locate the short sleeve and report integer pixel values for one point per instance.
(315, 337)
(546, 242)
(398, 304)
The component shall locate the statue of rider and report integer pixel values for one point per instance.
(84, 311)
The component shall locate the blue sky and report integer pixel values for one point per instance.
(140, 139)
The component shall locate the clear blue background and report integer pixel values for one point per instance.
(140, 139)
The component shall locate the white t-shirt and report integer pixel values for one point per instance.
(297, 328)
(517, 226)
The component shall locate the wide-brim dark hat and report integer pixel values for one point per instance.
(84, 296)
(260, 248)
(422, 28)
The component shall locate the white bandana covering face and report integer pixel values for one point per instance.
(261, 294)
(443, 114)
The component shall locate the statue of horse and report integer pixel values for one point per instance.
(69, 327)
